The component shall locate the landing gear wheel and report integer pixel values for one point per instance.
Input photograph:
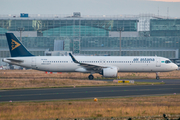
(157, 78)
(91, 77)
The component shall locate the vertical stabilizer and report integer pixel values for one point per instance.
(16, 48)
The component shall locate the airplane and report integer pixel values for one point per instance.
(107, 66)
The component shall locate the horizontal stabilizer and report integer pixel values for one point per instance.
(14, 60)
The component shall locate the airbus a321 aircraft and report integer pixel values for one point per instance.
(108, 66)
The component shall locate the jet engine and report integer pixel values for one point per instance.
(109, 72)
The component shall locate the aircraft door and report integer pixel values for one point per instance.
(102, 62)
(158, 62)
(33, 62)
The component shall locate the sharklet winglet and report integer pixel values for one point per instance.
(74, 60)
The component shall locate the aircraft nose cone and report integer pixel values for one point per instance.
(175, 67)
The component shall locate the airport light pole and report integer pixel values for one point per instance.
(20, 30)
(120, 30)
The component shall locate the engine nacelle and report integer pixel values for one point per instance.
(109, 72)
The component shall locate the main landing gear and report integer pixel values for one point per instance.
(157, 76)
(91, 77)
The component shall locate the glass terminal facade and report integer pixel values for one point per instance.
(93, 35)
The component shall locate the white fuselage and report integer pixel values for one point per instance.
(123, 64)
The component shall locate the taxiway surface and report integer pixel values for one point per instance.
(171, 87)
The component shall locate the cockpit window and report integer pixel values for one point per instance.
(167, 61)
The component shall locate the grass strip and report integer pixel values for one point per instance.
(120, 108)
(77, 85)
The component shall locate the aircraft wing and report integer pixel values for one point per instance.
(87, 66)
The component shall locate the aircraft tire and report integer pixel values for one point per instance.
(157, 78)
(91, 77)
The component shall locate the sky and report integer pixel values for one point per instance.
(170, 8)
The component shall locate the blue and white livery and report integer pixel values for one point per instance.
(108, 66)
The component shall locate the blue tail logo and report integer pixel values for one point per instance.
(16, 48)
(14, 44)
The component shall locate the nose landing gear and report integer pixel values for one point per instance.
(157, 76)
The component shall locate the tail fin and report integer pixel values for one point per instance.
(16, 48)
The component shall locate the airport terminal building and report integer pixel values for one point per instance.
(141, 35)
